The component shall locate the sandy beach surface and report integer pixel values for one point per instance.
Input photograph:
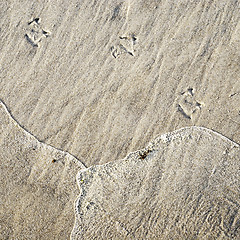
(183, 185)
(38, 185)
(83, 84)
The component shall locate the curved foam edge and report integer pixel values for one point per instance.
(37, 161)
(170, 137)
(167, 138)
(33, 138)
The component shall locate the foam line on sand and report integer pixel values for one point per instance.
(186, 179)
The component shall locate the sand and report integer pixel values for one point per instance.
(109, 76)
(183, 185)
(101, 79)
(38, 185)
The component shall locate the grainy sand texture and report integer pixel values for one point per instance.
(38, 185)
(88, 82)
(183, 185)
(109, 76)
